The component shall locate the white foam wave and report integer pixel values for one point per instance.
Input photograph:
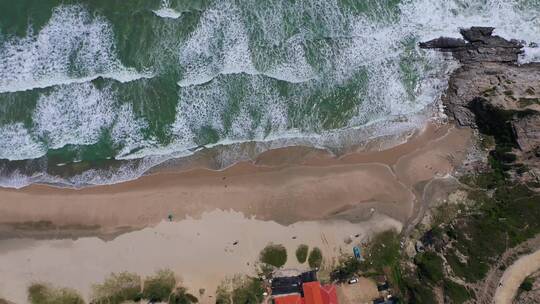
(73, 47)
(220, 46)
(78, 114)
(17, 143)
(165, 11)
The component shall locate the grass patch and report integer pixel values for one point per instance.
(274, 254)
(383, 250)
(45, 294)
(159, 287)
(302, 253)
(456, 293)
(118, 288)
(315, 258)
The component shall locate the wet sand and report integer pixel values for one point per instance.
(284, 185)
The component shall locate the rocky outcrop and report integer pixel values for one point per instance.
(493, 93)
(478, 45)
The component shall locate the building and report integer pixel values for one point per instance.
(303, 289)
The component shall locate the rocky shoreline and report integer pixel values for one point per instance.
(494, 94)
(463, 244)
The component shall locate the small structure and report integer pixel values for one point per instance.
(303, 289)
(357, 253)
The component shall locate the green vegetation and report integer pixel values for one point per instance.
(527, 284)
(241, 289)
(315, 258)
(46, 294)
(181, 296)
(455, 292)
(302, 253)
(248, 290)
(159, 287)
(117, 289)
(274, 254)
(383, 250)
(223, 296)
(430, 266)
(347, 268)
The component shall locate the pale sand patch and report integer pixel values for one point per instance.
(362, 292)
(200, 251)
(514, 275)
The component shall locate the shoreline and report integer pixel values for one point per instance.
(289, 195)
(286, 185)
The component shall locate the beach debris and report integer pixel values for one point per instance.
(170, 217)
(294, 237)
(357, 235)
(235, 243)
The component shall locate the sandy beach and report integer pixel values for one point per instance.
(313, 187)
(287, 192)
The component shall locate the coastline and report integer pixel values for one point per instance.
(286, 185)
(289, 196)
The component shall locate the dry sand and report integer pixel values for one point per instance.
(200, 251)
(291, 191)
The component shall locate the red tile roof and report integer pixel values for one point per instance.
(291, 299)
(312, 293)
(329, 294)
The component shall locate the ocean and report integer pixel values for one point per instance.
(100, 91)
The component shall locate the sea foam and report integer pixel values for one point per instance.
(73, 47)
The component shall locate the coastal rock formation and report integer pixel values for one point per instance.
(491, 92)
(479, 45)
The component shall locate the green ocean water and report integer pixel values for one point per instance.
(99, 91)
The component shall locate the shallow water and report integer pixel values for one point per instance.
(83, 84)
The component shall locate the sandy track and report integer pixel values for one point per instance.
(514, 276)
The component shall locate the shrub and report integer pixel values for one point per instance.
(315, 258)
(181, 296)
(275, 255)
(159, 287)
(301, 253)
(223, 296)
(527, 284)
(430, 266)
(457, 293)
(248, 290)
(346, 269)
(117, 288)
(46, 294)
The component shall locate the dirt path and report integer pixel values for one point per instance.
(514, 275)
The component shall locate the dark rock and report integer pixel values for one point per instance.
(479, 46)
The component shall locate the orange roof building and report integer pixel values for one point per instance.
(290, 299)
(329, 294)
(314, 293)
